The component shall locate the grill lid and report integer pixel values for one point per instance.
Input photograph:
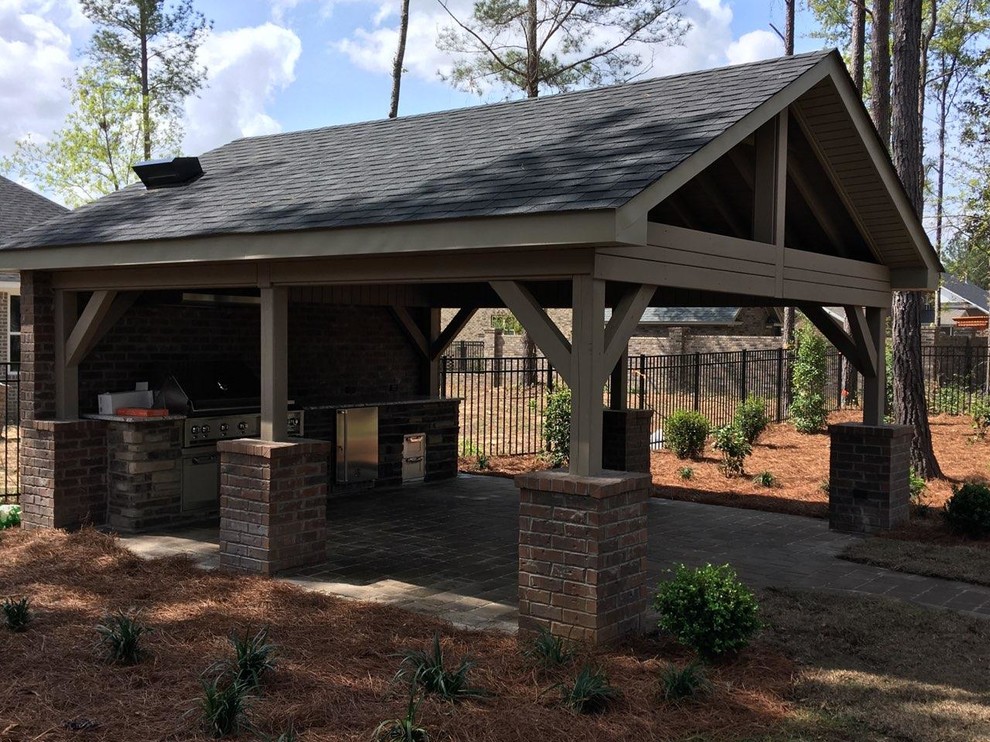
(210, 386)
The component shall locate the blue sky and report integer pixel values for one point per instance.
(284, 65)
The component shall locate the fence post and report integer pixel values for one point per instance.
(742, 378)
(697, 381)
(549, 376)
(642, 382)
(780, 384)
(443, 376)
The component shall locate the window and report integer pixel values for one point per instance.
(14, 329)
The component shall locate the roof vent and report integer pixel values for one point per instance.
(168, 173)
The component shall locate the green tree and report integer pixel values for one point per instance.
(92, 153)
(152, 46)
(536, 45)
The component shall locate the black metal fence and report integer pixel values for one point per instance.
(504, 398)
(10, 431)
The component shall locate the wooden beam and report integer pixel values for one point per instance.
(834, 333)
(452, 330)
(618, 387)
(412, 330)
(860, 333)
(274, 363)
(874, 387)
(90, 327)
(540, 327)
(587, 375)
(625, 317)
(66, 375)
(770, 190)
(432, 335)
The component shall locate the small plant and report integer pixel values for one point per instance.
(707, 609)
(751, 418)
(732, 443)
(253, 658)
(120, 635)
(549, 651)
(404, 729)
(686, 472)
(685, 432)
(825, 486)
(968, 510)
(482, 462)
(979, 408)
(917, 485)
(591, 692)
(557, 426)
(808, 409)
(289, 735)
(10, 516)
(223, 705)
(17, 613)
(765, 479)
(949, 400)
(430, 673)
(677, 683)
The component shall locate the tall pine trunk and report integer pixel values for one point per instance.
(788, 328)
(145, 87)
(880, 69)
(400, 55)
(910, 407)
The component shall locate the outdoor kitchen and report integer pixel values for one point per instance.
(179, 372)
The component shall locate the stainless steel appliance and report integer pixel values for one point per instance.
(357, 445)
(413, 457)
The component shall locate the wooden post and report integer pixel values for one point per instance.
(66, 376)
(618, 388)
(274, 363)
(433, 368)
(874, 387)
(587, 375)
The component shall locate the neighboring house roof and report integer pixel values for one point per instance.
(965, 292)
(21, 208)
(593, 149)
(690, 316)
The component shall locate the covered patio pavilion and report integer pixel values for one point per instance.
(758, 184)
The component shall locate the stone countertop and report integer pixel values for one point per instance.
(133, 418)
(394, 403)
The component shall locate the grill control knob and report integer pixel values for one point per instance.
(223, 427)
(242, 426)
(206, 430)
(194, 429)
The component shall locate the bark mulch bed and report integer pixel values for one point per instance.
(337, 660)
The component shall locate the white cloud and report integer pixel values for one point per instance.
(281, 9)
(754, 46)
(36, 56)
(246, 67)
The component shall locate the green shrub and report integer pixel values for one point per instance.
(968, 510)
(979, 408)
(222, 706)
(10, 516)
(765, 479)
(254, 657)
(949, 400)
(120, 635)
(404, 729)
(482, 461)
(686, 472)
(591, 692)
(549, 651)
(734, 447)
(917, 485)
(751, 418)
(677, 683)
(707, 609)
(429, 672)
(685, 432)
(557, 426)
(808, 410)
(17, 613)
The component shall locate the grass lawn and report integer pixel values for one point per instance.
(828, 668)
(968, 562)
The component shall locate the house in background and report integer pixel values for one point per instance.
(20, 208)
(964, 305)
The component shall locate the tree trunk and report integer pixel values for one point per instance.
(145, 86)
(788, 329)
(400, 55)
(880, 69)
(850, 377)
(858, 43)
(943, 116)
(910, 407)
(788, 27)
(532, 52)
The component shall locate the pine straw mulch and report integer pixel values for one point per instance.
(337, 660)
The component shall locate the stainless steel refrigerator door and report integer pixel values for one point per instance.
(357, 444)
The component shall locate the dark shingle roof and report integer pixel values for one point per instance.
(690, 315)
(966, 291)
(586, 150)
(21, 208)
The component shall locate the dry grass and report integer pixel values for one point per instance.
(964, 562)
(337, 660)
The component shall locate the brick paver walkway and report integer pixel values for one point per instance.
(451, 548)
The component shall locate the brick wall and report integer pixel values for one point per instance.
(4, 326)
(37, 347)
(145, 475)
(582, 554)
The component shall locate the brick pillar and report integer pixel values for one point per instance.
(37, 347)
(63, 474)
(868, 477)
(145, 471)
(626, 440)
(582, 554)
(273, 504)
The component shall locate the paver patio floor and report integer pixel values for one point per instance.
(450, 548)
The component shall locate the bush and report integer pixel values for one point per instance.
(751, 418)
(402, 730)
(222, 706)
(765, 479)
(707, 609)
(808, 409)
(917, 485)
(253, 658)
(734, 448)
(686, 472)
(979, 408)
(17, 613)
(120, 634)
(590, 692)
(549, 651)
(685, 432)
(968, 510)
(10, 516)
(949, 400)
(557, 426)
(677, 683)
(430, 673)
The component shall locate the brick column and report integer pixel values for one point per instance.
(63, 474)
(868, 477)
(273, 504)
(582, 554)
(145, 471)
(37, 347)
(626, 440)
